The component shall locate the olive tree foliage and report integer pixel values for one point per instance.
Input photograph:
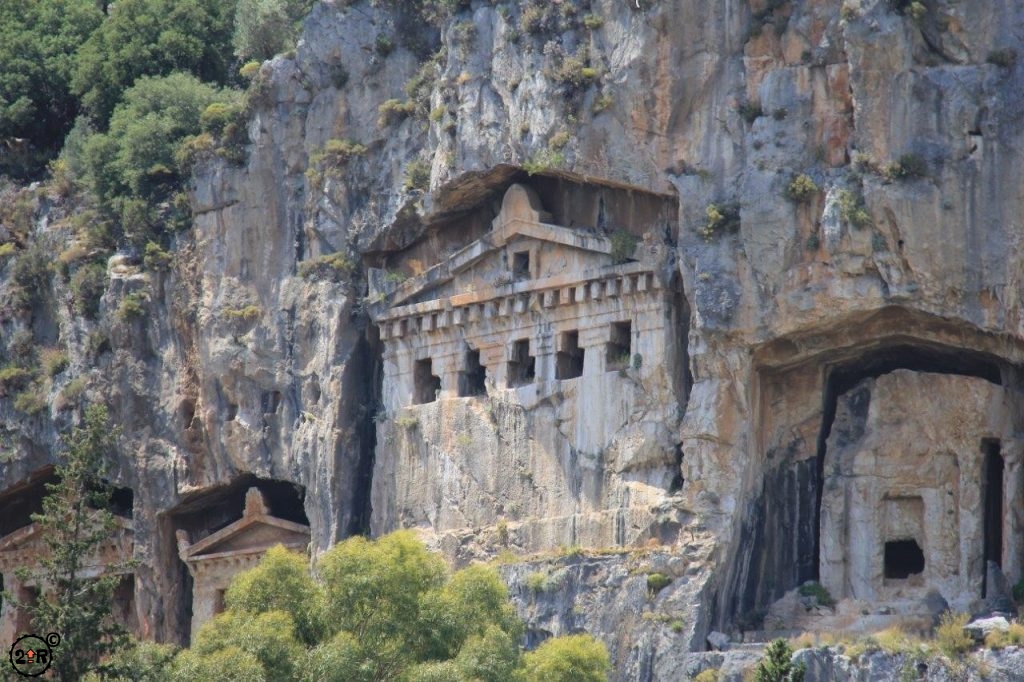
(264, 28)
(132, 167)
(73, 524)
(152, 38)
(372, 611)
(38, 40)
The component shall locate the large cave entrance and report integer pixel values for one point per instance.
(781, 528)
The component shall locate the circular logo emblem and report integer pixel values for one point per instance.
(31, 655)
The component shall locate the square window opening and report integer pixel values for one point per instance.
(427, 386)
(521, 366)
(903, 558)
(620, 346)
(472, 379)
(569, 360)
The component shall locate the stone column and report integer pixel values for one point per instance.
(1013, 509)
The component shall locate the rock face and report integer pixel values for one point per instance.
(907, 486)
(684, 124)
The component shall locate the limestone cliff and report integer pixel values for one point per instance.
(825, 190)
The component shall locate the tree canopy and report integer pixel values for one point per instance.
(38, 44)
(152, 38)
(373, 611)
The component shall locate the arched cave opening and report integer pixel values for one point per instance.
(902, 559)
(781, 542)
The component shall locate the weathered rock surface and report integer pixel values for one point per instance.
(908, 258)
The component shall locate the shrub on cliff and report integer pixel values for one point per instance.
(377, 610)
(264, 28)
(133, 167)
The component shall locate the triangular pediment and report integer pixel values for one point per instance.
(250, 534)
(29, 537)
(522, 226)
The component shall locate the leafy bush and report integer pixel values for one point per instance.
(709, 675)
(950, 635)
(777, 666)
(13, 378)
(818, 591)
(132, 307)
(907, 166)
(802, 189)
(537, 582)
(656, 582)
(281, 582)
(31, 401)
(720, 218)
(573, 658)
(87, 287)
(393, 111)
(376, 610)
(7, 249)
(53, 360)
(264, 28)
(1014, 636)
(70, 394)
(135, 159)
(155, 257)
(37, 44)
(152, 38)
(852, 210)
(332, 266)
(249, 313)
(593, 21)
(623, 245)
(30, 273)
(417, 175)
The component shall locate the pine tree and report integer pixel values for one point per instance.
(73, 524)
(777, 664)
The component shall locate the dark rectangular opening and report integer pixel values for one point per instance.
(903, 558)
(27, 598)
(521, 366)
(473, 377)
(521, 265)
(569, 360)
(427, 386)
(993, 501)
(619, 347)
(218, 601)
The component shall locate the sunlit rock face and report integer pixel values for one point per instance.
(716, 446)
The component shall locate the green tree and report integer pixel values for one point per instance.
(573, 658)
(264, 28)
(281, 583)
(269, 638)
(377, 611)
(38, 40)
(152, 38)
(373, 590)
(73, 524)
(132, 167)
(777, 664)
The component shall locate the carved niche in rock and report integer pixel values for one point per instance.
(219, 557)
(910, 500)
